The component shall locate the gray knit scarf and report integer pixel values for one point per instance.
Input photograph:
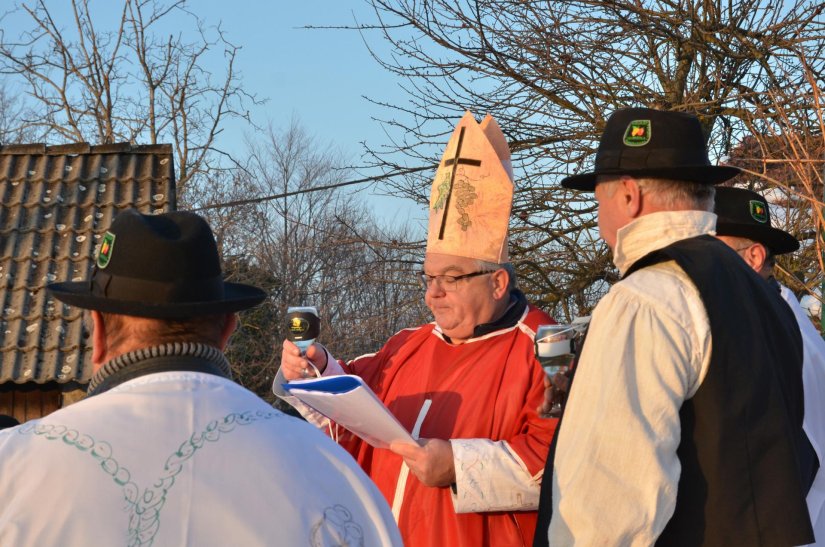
(211, 354)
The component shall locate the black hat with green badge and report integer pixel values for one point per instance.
(643, 142)
(162, 266)
(744, 213)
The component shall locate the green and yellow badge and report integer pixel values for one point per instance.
(758, 211)
(105, 253)
(637, 133)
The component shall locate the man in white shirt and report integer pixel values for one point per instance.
(680, 426)
(745, 224)
(167, 449)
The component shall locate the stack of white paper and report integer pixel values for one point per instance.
(349, 402)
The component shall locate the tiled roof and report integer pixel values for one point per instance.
(55, 202)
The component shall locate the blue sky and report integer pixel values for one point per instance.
(318, 76)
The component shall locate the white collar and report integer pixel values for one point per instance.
(656, 231)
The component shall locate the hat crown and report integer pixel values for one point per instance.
(742, 206)
(172, 247)
(670, 139)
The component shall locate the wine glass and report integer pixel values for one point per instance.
(302, 326)
(554, 350)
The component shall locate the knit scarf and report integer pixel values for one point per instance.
(173, 356)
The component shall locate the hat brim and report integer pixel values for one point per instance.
(778, 241)
(703, 174)
(237, 297)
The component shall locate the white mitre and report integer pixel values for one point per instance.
(472, 193)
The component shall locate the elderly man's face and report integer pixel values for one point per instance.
(610, 213)
(458, 307)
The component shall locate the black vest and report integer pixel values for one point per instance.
(740, 482)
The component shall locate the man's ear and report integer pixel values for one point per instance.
(756, 256)
(229, 327)
(631, 196)
(501, 280)
(98, 340)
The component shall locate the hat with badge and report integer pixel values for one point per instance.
(472, 193)
(643, 142)
(744, 213)
(8, 421)
(162, 266)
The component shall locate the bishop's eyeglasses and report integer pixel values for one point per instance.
(448, 282)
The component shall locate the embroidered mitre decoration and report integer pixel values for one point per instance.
(472, 194)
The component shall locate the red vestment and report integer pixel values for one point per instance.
(486, 388)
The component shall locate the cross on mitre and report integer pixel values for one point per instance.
(455, 160)
(471, 195)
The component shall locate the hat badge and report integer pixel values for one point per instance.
(106, 247)
(758, 211)
(637, 133)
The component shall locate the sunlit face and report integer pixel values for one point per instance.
(472, 303)
(610, 217)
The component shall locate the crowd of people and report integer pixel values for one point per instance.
(693, 411)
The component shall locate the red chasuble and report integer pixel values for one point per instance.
(487, 388)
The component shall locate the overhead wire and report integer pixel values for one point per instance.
(260, 199)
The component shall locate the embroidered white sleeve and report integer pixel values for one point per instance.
(491, 477)
(317, 419)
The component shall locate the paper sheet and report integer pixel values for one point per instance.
(349, 402)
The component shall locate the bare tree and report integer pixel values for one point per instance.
(129, 82)
(13, 129)
(551, 71)
(307, 246)
(784, 158)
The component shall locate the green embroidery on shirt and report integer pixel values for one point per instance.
(144, 510)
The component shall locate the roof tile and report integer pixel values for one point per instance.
(55, 204)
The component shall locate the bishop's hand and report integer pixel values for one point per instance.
(298, 366)
(431, 461)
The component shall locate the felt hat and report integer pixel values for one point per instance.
(162, 266)
(472, 193)
(642, 142)
(744, 213)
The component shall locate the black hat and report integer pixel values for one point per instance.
(743, 213)
(643, 142)
(8, 421)
(161, 266)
